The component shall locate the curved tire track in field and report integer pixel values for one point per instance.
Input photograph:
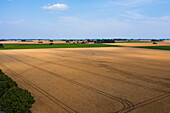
(96, 74)
(140, 104)
(127, 105)
(43, 92)
(150, 101)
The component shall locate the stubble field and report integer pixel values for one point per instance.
(92, 80)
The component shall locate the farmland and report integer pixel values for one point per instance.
(41, 46)
(155, 47)
(92, 80)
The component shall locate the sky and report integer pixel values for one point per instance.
(84, 19)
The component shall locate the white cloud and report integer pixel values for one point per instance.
(132, 3)
(56, 7)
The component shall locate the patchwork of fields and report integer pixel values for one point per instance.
(91, 80)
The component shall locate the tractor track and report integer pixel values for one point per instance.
(144, 77)
(140, 61)
(40, 90)
(149, 101)
(124, 58)
(95, 74)
(150, 76)
(127, 105)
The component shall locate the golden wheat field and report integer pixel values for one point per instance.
(92, 80)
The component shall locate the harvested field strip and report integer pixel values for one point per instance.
(107, 77)
(46, 94)
(144, 78)
(127, 105)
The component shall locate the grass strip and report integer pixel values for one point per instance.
(155, 47)
(40, 46)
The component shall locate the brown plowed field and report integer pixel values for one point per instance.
(92, 80)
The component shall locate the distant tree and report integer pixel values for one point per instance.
(95, 41)
(153, 40)
(1, 46)
(83, 42)
(23, 40)
(98, 41)
(16, 100)
(51, 40)
(88, 40)
(50, 43)
(154, 43)
(40, 42)
(67, 41)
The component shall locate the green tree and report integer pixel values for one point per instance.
(1, 46)
(5, 86)
(16, 100)
(1, 72)
(4, 77)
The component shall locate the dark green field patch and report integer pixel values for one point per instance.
(40, 46)
(155, 47)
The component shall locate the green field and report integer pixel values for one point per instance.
(134, 41)
(155, 47)
(40, 46)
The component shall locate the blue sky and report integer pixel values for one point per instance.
(84, 18)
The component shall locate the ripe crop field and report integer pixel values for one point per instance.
(92, 80)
